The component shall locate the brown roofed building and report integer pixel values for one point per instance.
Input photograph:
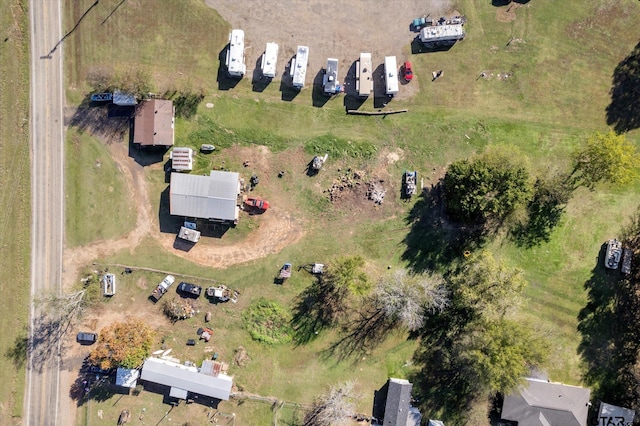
(154, 123)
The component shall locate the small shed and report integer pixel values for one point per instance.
(181, 159)
(127, 377)
(124, 99)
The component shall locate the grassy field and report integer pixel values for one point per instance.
(15, 219)
(96, 206)
(559, 63)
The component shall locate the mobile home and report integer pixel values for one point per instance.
(330, 81)
(364, 81)
(269, 60)
(391, 75)
(299, 67)
(235, 54)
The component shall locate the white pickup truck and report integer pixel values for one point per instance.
(162, 288)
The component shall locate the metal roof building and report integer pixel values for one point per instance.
(127, 377)
(154, 123)
(213, 197)
(184, 379)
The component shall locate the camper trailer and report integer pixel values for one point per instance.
(364, 79)
(330, 83)
(442, 35)
(269, 60)
(298, 70)
(390, 75)
(235, 54)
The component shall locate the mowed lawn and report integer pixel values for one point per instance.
(548, 69)
(15, 199)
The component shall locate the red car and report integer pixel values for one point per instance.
(407, 71)
(256, 203)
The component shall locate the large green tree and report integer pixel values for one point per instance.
(488, 186)
(607, 157)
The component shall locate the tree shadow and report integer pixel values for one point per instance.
(314, 310)
(185, 102)
(609, 325)
(544, 212)
(17, 352)
(433, 241)
(623, 113)
(108, 122)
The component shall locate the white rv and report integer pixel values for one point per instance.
(330, 81)
(364, 80)
(391, 75)
(446, 34)
(235, 55)
(299, 67)
(269, 60)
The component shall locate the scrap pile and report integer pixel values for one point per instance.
(376, 192)
(348, 181)
(178, 309)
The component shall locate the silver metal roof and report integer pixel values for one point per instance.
(212, 197)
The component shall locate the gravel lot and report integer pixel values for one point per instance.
(338, 29)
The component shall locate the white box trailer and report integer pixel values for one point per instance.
(299, 67)
(364, 79)
(235, 54)
(330, 81)
(391, 75)
(269, 60)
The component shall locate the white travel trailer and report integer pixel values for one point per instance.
(299, 67)
(364, 80)
(269, 60)
(330, 81)
(391, 75)
(235, 55)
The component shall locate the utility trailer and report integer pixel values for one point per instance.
(269, 60)
(410, 183)
(298, 70)
(108, 284)
(223, 293)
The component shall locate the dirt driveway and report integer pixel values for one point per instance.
(340, 29)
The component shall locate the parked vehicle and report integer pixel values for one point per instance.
(222, 293)
(614, 252)
(162, 288)
(410, 183)
(205, 147)
(256, 203)
(190, 289)
(407, 71)
(86, 338)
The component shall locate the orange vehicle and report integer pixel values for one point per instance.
(256, 203)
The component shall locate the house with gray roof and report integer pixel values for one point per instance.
(543, 403)
(392, 404)
(213, 197)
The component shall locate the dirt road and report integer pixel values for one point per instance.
(47, 165)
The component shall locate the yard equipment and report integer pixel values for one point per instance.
(614, 252)
(313, 268)
(222, 293)
(318, 162)
(410, 183)
(284, 273)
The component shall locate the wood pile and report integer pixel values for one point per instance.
(347, 181)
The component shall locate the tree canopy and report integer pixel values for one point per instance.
(488, 186)
(335, 408)
(123, 344)
(607, 157)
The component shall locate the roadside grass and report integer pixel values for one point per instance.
(96, 205)
(15, 218)
(559, 65)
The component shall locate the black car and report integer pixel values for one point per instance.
(190, 289)
(85, 338)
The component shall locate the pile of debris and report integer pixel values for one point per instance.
(178, 309)
(348, 181)
(376, 192)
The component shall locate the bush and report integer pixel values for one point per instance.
(268, 322)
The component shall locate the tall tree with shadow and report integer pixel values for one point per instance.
(623, 113)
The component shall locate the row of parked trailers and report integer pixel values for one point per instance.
(235, 62)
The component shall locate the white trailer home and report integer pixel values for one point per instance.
(364, 79)
(442, 35)
(269, 60)
(298, 70)
(330, 82)
(391, 75)
(235, 54)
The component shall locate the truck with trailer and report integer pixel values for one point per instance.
(269, 60)
(235, 54)
(364, 80)
(162, 288)
(298, 71)
(390, 75)
(330, 83)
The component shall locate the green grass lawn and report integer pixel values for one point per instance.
(559, 61)
(15, 218)
(96, 205)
